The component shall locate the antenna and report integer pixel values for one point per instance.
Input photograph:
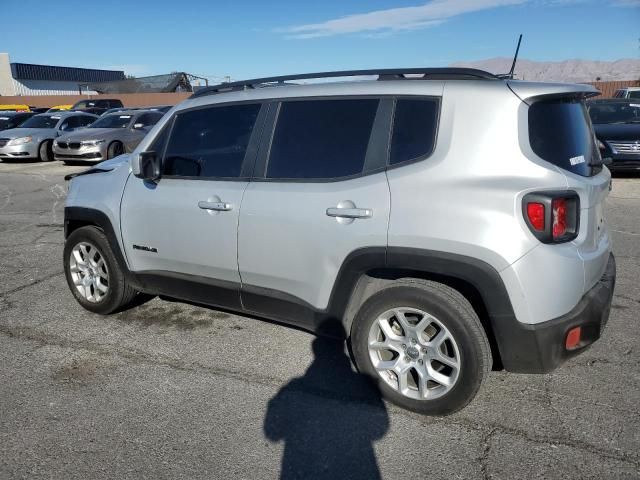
(515, 58)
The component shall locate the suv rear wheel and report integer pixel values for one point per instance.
(93, 274)
(423, 344)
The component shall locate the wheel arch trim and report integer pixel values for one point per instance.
(77, 217)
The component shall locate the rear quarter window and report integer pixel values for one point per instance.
(560, 133)
(414, 129)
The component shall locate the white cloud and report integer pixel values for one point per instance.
(430, 14)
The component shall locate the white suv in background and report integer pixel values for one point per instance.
(629, 92)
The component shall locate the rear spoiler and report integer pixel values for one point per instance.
(530, 92)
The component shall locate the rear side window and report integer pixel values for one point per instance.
(149, 119)
(321, 139)
(634, 94)
(414, 129)
(84, 120)
(210, 142)
(560, 133)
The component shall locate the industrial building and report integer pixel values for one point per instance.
(27, 79)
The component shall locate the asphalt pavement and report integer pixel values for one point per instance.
(170, 390)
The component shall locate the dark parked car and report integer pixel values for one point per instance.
(97, 106)
(617, 126)
(13, 119)
(38, 109)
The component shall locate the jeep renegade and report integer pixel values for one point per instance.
(449, 220)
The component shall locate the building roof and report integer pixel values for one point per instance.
(28, 71)
(172, 82)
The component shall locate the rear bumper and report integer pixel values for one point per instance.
(623, 166)
(540, 348)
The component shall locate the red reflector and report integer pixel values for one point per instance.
(573, 338)
(535, 212)
(559, 209)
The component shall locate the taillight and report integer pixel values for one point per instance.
(553, 217)
(559, 211)
(535, 214)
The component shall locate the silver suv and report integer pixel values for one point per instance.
(446, 221)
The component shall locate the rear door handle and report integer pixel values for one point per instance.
(350, 212)
(219, 206)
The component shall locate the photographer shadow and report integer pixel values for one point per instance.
(328, 419)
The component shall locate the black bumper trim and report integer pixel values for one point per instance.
(541, 347)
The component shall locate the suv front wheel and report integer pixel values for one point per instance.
(93, 273)
(423, 344)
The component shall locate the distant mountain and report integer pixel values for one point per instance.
(565, 71)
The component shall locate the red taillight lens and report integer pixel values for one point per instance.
(552, 216)
(573, 338)
(535, 212)
(559, 209)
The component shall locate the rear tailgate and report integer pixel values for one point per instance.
(593, 242)
(560, 132)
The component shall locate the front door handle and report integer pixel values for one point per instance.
(218, 206)
(349, 212)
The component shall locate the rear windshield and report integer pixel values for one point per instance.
(613, 113)
(560, 133)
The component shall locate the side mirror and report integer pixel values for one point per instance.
(138, 126)
(149, 167)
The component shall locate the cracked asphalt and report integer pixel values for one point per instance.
(170, 390)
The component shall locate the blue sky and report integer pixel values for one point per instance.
(246, 38)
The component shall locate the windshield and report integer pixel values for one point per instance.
(5, 122)
(112, 121)
(615, 113)
(42, 121)
(81, 105)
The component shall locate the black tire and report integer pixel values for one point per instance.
(45, 151)
(114, 149)
(119, 293)
(455, 313)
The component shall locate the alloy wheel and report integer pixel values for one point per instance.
(414, 353)
(89, 272)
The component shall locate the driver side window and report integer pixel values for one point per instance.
(69, 124)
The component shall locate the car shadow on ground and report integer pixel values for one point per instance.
(328, 418)
(22, 160)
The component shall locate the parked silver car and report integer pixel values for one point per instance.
(34, 138)
(110, 136)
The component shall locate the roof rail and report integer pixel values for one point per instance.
(384, 74)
